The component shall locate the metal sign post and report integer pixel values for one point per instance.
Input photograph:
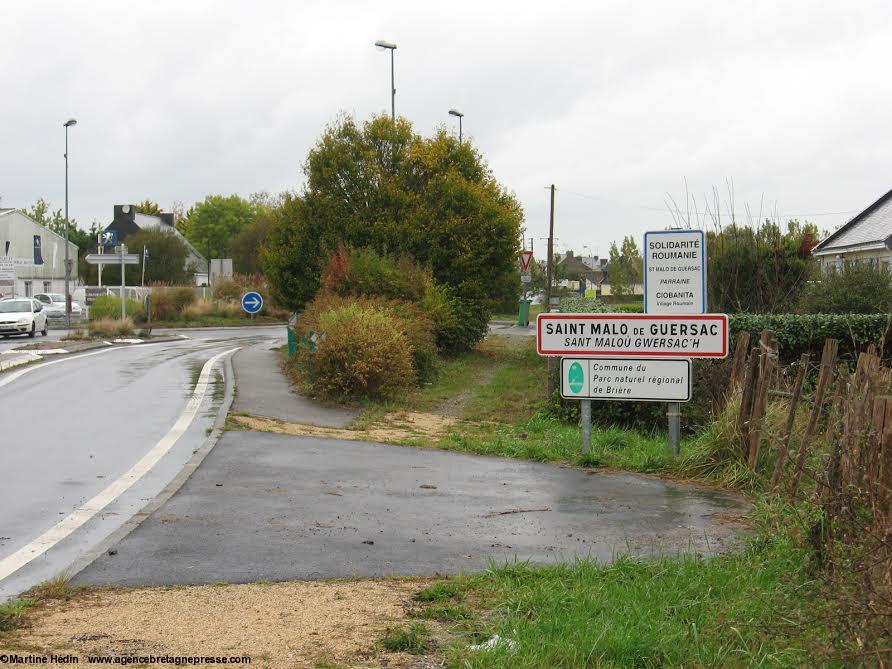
(120, 256)
(123, 250)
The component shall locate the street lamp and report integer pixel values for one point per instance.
(381, 44)
(455, 112)
(70, 122)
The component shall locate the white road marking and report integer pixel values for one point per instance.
(9, 378)
(81, 515)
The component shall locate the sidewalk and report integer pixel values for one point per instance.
(262, 389)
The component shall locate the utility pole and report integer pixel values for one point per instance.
(553, 364)
(69, 123)
(549, 269)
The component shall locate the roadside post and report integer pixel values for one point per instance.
(675, 283)
(120, 256)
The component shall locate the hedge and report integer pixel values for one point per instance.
(109, 306)
(797, 333)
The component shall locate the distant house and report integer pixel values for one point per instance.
(866, 238)
(591, 269)
(128, 221)
(37, 254)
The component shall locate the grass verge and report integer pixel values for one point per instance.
(12, 613)
(755, 607)
(414, 638)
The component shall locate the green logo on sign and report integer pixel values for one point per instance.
(575, 377)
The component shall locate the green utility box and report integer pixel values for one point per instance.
(292, 342)
(523, 312)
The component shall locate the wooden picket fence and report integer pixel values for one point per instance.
(843, 455)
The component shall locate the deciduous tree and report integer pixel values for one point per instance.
(380, 185)
(212, 224)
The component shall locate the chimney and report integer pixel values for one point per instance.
(125, 213)
(166, 219)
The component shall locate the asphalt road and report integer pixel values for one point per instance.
(89, 446)
(72, 427)
(267, 506)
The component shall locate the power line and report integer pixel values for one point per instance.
(666, 210)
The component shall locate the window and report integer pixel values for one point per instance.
(47, 286)
(28, 289)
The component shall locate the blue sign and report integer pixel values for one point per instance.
(252, 302)
(108, 237)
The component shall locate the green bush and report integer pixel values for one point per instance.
(168, 304)
(469, 326)
(797, 334)
(419, 330)
(109, 306)
(856, 288)
(362, 271)
(408, 318)
(580, 304)
(367, 275)
(361, 355)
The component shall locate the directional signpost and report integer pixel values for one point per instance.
(642, 357)
(252, 302)
(119, 257)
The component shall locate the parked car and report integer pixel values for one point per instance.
(22, 316)
(54, 305)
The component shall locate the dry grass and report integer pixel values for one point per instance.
(200, 309)
(109, 327)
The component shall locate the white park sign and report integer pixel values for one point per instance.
(633, 335)
(642, 379)
(675, 272)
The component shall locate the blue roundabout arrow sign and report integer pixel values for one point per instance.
(252, 302)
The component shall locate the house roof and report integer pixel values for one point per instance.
(869, 229)
(12, 210)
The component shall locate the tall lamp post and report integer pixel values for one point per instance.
(381, 44)
(455, 112)
(70, 122)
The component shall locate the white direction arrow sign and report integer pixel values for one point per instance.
(112, 258)
(633, 335)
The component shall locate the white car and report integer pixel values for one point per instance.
(22, 316)
(54, 305)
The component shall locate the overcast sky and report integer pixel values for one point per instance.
(620, 102)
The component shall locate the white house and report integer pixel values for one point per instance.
(866, 238)
(32, 257)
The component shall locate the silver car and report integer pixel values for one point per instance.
(54, 304)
